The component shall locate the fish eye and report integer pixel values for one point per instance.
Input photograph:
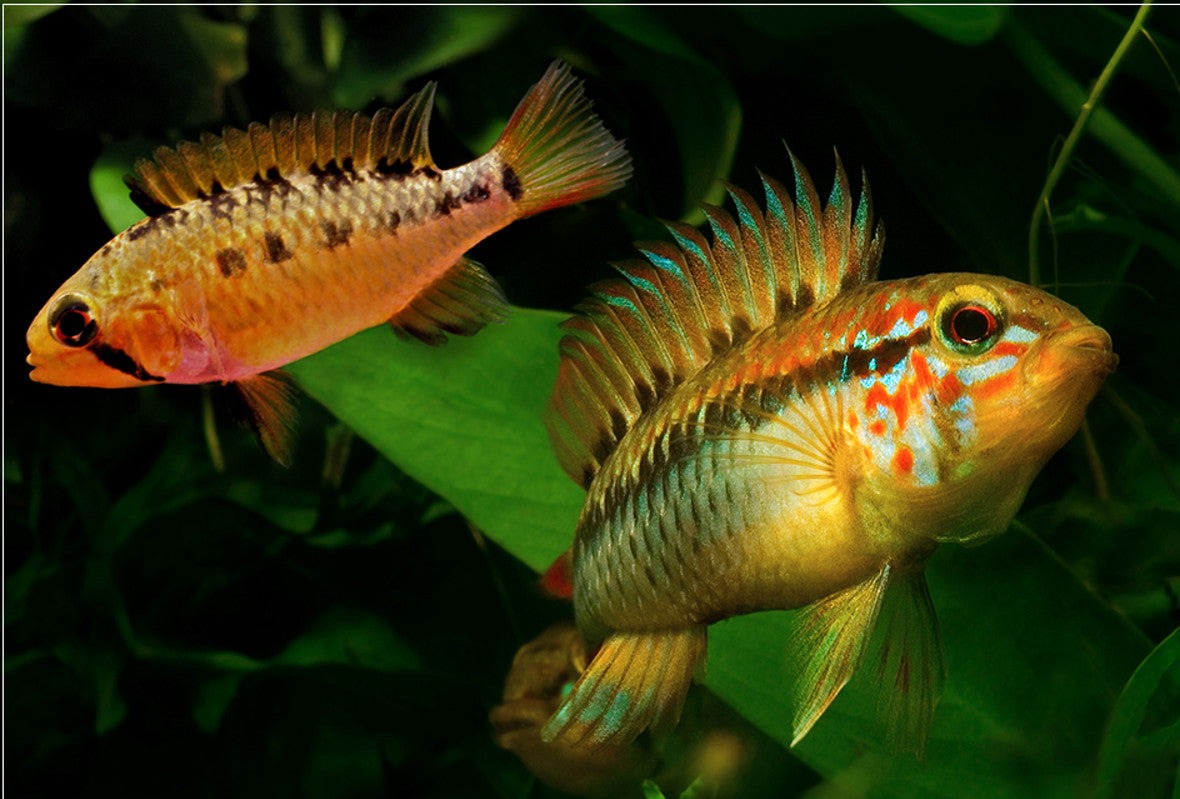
(72, 323)
(969, 321)
(971, 324)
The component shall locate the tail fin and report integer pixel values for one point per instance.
(555, 150)
(636, 681)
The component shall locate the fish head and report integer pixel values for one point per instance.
(1013, 370)
(88, 335)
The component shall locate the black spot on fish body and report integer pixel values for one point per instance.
(444, 206)
(476, 193)
(222, 205)
(393, 221)
(335, 235)
(137, 232)
(231, 261)
(603, 447)
(719, 340)
(511, 183)
(393, 170)
(119, 360)
(429, 172)
(805, 297)
(276, 250)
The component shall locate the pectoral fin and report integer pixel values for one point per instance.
(461, 302)
(266, 402)
(636, 681)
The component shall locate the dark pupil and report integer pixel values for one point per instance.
(72, 323)
(971, 325)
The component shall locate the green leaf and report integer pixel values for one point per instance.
(106, 184)
(351, 638)
(1132, 752)
(962, 24)
(381, 55)
(465, 420)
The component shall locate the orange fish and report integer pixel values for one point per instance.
(761, 425)
(266, 245)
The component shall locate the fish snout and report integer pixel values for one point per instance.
(1064, 353)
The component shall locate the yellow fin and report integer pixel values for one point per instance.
(636, 681)
(325, 141)
(689, 302)
(833, 635)
(267, 403)
(461, 302)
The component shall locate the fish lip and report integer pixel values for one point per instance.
(1085, 343)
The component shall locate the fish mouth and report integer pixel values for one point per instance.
(1064, 352)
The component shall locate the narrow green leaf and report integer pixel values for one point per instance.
(1152, 692)
(351, 638)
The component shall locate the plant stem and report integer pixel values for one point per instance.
(1061, 86)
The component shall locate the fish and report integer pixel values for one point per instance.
(541, 670)
(761, 423)
(266, 245)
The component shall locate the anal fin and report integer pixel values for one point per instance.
(266, 402)
(461, 302)
(636, 680)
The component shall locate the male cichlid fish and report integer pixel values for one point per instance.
(267, 245)
(759, 425)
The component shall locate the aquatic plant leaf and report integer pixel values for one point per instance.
(464, 420)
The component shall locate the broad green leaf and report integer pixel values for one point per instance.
(465, 420)
(960, 24)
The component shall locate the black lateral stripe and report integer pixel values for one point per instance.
(119, 360)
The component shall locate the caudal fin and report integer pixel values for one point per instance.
(555, 150)
(636, 681)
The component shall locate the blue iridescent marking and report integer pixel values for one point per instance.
(646, 285)
(617, 710)
(620, 302)
(687, 244)
(1020, 335)
(970, 375)
(667, 264)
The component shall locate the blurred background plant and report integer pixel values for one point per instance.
(341, 629)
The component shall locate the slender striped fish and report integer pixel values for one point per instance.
(265, 245)
(759, 424)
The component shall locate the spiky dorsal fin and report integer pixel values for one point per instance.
(291, 145)
(639, 337)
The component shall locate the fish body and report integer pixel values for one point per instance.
(266, 245)
(762, 425)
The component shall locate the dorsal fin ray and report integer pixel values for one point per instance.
(290, 145)
(669, 315)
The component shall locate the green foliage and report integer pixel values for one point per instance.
(342, 628)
